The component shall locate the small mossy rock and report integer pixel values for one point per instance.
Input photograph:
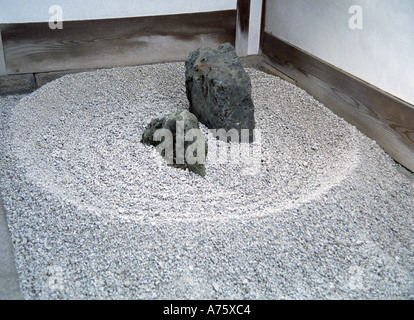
(188, 122)
(148, 135)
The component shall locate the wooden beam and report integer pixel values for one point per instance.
(35, 48)
(263, 23)
(2, 61)
(248, 27)
(17, 84)
(255, 23)
(381, 116)
(242, 27)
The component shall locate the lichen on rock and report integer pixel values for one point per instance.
(179, 140)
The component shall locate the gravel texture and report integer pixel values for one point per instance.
(321, 212)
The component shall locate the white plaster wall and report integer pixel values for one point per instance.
(19, 11)
(382, 53)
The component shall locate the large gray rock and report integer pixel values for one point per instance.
(219, 89)
(179, 124)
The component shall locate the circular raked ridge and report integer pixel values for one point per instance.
(78, 138)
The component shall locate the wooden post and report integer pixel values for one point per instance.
(248, 27)
(255, 27)
(3, 70)
(242, 27)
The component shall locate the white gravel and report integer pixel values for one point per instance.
(94, 214)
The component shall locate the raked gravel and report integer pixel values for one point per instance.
(321, 213)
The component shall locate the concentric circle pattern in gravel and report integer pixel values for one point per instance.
(320, 212)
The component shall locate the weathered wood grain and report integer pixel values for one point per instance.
(381, 116)
(17, 84)
(2, 61)
(34, 47)
(242, 27)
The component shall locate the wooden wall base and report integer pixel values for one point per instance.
(17, 84)
(381, 116)
(92, 44)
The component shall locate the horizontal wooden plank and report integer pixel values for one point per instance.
(29, 82)
(266, 67)
(17, 83)
(46, 77)
(34, 47)
(381, 116)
